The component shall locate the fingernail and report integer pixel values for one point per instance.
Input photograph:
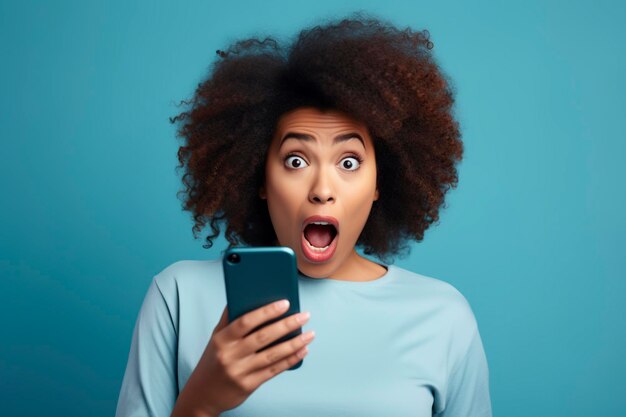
(302, 352)
(308, 336)
(282, 304)
(303, 317)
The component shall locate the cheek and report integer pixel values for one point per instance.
(281, 191)
(283, 202)
(362, 211)
(363, 190)
(360, 200)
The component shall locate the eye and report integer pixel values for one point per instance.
(295, 162)
(351, 163)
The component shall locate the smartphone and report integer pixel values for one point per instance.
(256, 276)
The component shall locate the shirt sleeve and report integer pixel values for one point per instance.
(468, 385)
(149, 387)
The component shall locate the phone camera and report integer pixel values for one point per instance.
(233, 258)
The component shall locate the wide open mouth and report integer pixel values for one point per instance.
(319, 235)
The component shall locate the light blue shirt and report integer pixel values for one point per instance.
(401, 345)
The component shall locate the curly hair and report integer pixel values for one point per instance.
(361, 66)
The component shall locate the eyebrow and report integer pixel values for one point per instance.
(309, 138)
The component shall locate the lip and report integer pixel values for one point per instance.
(319, 218)
(319, 257)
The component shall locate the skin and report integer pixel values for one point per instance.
(328, 181)
(318, 176)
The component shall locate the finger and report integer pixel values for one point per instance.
(278, 352)
(263, 337)
(260, 377)
(249, 321)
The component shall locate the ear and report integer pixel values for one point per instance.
(262, 193)
(376, 194)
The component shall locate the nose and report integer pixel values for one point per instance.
(321, 191)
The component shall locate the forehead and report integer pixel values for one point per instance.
(309, 119)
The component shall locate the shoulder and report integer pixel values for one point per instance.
(433, 288)
(186, 270)
(189, 277)
(452, 308)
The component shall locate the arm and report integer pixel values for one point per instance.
(149, 387)
(467, 391)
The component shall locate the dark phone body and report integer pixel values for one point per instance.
(261, 275)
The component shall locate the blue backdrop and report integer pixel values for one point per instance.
(533, 236)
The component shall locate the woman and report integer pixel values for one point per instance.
(351, 126)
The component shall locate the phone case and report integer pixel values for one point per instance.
(261, 275)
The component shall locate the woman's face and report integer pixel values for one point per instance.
(320, 164)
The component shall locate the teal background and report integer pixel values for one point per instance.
(533, 236)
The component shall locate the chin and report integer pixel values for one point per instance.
(313, 270)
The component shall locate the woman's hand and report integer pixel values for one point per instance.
(230, 368)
